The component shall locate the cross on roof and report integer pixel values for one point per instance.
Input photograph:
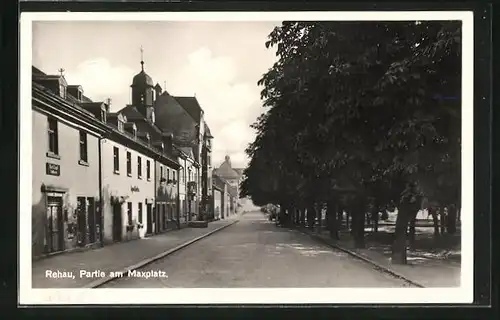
(61, 71)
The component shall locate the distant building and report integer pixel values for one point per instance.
(188, 203)
(184, 118)
(232, 175)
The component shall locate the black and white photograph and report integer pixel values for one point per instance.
(251, 157)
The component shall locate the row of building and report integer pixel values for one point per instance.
(101, 177)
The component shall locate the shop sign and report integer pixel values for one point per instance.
(53, 169)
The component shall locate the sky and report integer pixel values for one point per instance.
(218, 62)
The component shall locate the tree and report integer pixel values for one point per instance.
(359, 106)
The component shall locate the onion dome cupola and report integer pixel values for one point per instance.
(142, 88)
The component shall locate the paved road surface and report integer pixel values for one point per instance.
(255, 253)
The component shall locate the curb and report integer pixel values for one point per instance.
(100, 282)
(365, 259)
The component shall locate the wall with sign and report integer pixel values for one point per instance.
(61, 178)
(130, 193)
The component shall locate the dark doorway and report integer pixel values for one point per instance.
(55, 226)
(149, 219)
(81, 221)
(117, 222)
(222, 206)
(91, 220)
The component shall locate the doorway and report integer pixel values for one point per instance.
(91, 220)
(117, 222)
(55, 225)
(149, 219)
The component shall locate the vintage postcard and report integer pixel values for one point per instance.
(250, 157)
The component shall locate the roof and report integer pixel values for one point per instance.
(142, 79)
(191, 105)
(239, 171)
(36, 71)
(172, 117)
(187, 150)
(142, 123)
(226, 171)
(218, 182)
(207, 131)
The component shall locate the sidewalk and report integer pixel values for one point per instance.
(115, 257)
(426, 272)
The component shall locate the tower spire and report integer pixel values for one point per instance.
(142, 58)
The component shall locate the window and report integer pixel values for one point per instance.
(139, 167)
(120, 125)
(103, 115)
(168, 174)
(116, 159)
(53, 136)
(62, 91)
(129, 213)
(140, 213)
(161, 171)
(83, 146)
(129, 163)
(148, 169)
(173, 175)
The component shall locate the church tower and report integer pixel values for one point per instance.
(143, 92)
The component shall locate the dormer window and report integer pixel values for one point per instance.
(103, 115)
(62, 90)
(120, 125)
(134, 132)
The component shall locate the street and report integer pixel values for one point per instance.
(255, 253)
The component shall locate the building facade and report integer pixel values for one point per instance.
(128, 184)
(66, 162)
(233, 177)
(184, 117)
(188, 200)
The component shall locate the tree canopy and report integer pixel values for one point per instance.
(361, 106)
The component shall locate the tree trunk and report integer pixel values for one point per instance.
(331, 218)
(347, 216)
(302, 217)
(398, 255)
(411, 230)
(442, 218)
(452, 219)
(311, 214)
(358, 225)
(319, 216)
(433, 212)
(375, 217)
(281, 215)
